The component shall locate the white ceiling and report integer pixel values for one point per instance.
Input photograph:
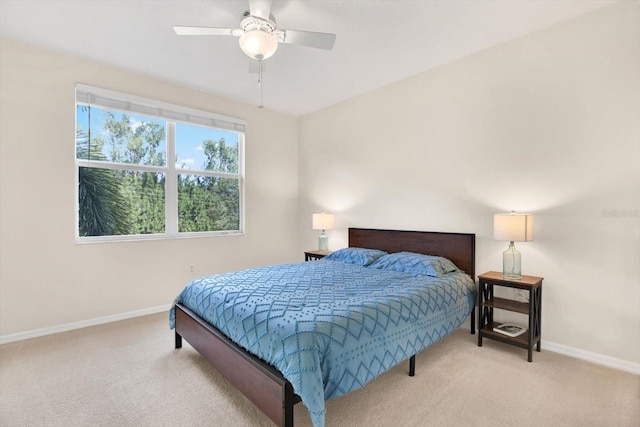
(378, 42)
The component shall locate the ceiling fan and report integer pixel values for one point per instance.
(259, 34)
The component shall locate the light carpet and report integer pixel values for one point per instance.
(127, 373)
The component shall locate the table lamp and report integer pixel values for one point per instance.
(323, 221)
(512, 227)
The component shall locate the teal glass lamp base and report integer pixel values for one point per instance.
(511, 263)
(323, 242)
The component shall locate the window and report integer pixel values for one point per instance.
(147, 169)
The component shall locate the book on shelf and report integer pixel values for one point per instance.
(510, 329)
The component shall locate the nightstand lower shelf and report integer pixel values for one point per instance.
(521, 340)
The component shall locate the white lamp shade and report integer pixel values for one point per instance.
(258, 44)
(513, 227)
(322, 221)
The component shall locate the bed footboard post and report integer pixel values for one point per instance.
(473, 321)
(412, 366)
(178, 340)
(287, 405)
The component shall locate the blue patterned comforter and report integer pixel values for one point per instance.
(330, 327)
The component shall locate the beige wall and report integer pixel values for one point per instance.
(45, 278)
(547, 124)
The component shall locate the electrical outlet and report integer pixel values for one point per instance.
(192, 269)
(521, 295)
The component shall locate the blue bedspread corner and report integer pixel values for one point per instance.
(172, 317)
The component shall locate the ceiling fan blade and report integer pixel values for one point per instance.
(206, 31)
(260, 8)
(308, 38)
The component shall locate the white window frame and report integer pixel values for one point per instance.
(172, 114)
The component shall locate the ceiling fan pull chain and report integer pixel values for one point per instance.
(260, 80)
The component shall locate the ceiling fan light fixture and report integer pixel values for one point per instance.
(258, 44)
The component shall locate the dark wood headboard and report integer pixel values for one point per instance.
(458, 247)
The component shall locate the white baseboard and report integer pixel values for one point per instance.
(5, 339)
(599, 359)
(596, 358)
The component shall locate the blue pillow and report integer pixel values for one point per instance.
(357, 256)
(409, 262)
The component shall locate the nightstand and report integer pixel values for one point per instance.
(532, 309)
(315, 255)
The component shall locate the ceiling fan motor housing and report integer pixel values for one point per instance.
(250, 23)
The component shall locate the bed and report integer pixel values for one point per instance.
(309, 362)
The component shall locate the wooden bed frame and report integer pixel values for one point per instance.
(262, 383)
